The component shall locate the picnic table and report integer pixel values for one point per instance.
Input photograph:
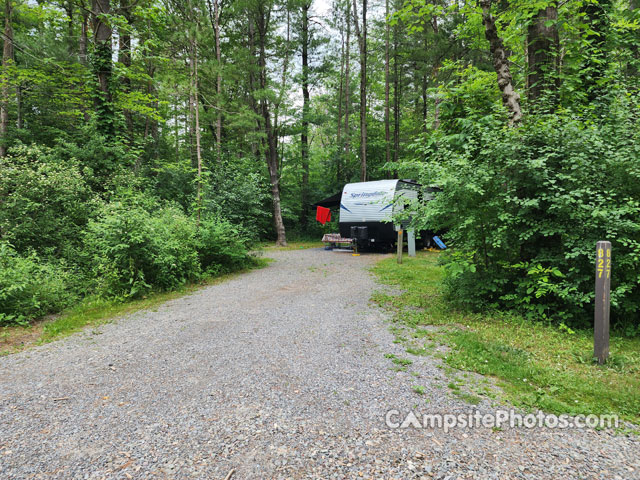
(335, 238)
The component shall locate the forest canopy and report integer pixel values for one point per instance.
(144, 144)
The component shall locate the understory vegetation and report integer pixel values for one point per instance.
(537, 365)
(523, 209)
(146, 145)
(64, 242)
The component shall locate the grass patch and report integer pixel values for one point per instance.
(97, 311)
(538, 366)
(469, 398)
(419, 389)
(296, 245)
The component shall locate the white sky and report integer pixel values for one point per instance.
(322, 7)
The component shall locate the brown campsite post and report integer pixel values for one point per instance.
(603, 301)
(400, 246)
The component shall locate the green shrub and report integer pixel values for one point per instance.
(524, 208)
(30, 288)
(131, 250)
(237, 191)
(46, 202)
(221, 247)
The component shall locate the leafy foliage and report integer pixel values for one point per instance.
(30, 287)
(221, 247)
(45, 200)
(131, 249)
(525, 207)
(136, 244)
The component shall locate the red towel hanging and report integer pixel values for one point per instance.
(323, 215)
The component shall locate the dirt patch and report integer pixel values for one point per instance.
(14, 339)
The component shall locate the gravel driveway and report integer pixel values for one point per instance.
(277, 373)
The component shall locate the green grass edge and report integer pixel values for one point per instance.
(536, 365)
(95, 311)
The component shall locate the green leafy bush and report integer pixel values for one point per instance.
(524, 208)
(45, 200)
(237, 192)
(131, 249)
(221, 246)
(30, 287)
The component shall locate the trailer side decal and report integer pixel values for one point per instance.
(342, 206)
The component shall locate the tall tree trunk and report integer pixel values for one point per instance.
(387, 130)
(434, 76)
(83, 43)
(7, 60)
(190, 116)
(214, 10)
(196, 108)
(397, 95)
(396, 100)
(19, 106)
(102, 64)
(347, 99)
(151, 122)
(262, 27)
(632, 66)
(362, 42)
(594, 69)
(340, 90)
(176, 123)
(424, 84)
(251, 99)
(304, 213)
(281, 95)
(124, 58)
(68, 8)
(542, 49)
(510, 97)
(151, 90)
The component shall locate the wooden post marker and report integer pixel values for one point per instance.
(603, 301)
(400, 246)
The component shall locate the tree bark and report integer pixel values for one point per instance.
(387, 130)
(214, 10)
(397, 94)
(7, 61)
(84, 38)
(190, 117)
(196, 108)
(304, 213)
(68, 8)
(510, 97)
(434, 75)
(362, 42)
(632, 65)
(19, 106)
(595, 67)
(347, 81)
(102, 64)
(176, 124)
(340, 90)
(542, 49)
(424, 85)
(124, 58)
(281, 95)
(396, 100)
(262, 27)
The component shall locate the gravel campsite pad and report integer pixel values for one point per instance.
(277, 373)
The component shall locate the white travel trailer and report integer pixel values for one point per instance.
(367, 210)
(370, 207)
